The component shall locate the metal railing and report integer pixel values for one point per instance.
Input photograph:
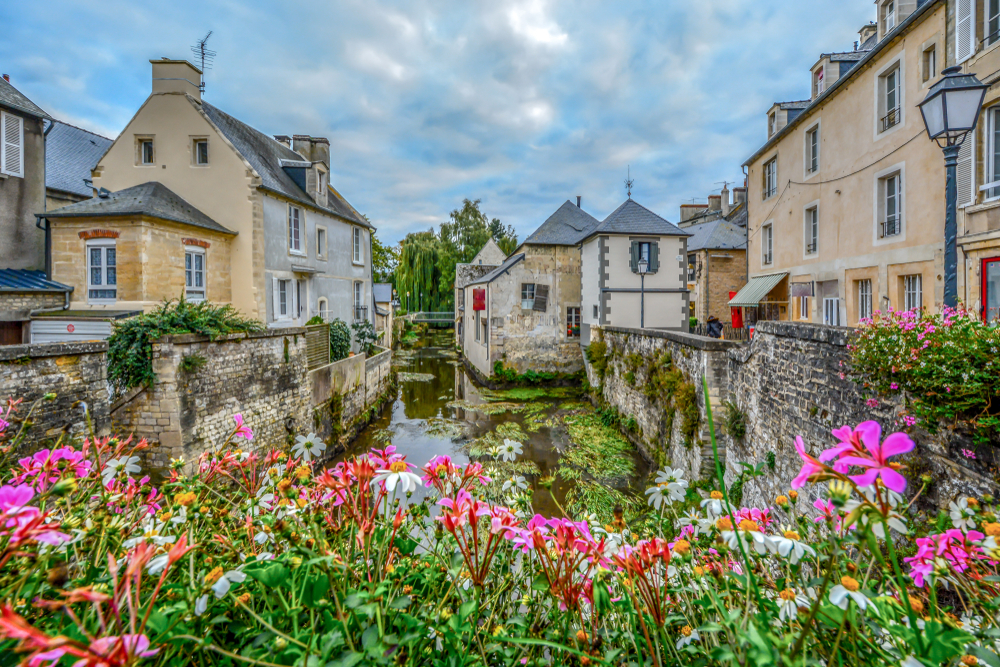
(810, 248)
(891, 119)
(890, 226)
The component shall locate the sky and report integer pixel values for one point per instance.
(520, 103)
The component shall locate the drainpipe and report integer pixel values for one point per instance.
(48, 243)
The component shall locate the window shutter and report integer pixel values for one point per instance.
(654, 257)
(13, 145)
(634, 257)
(541, 298)
(964, 173)
(965, 30)
(275, 300)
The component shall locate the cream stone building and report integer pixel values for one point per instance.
(847, 195)
(281, 244)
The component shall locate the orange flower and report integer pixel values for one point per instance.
(187, 498)
(213, 576)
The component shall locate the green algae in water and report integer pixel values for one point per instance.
(493, 409)
(528, 393)
(507, 430)
(588, 498)
(445, 428)
(416, 377)
(597, 449)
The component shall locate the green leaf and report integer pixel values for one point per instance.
(468, 609)
(271, 576)
(370, 638)
(405, 545)
(540, 583)
(158, 622)
(348, 659)
(984, 655)
(401, 602)
(315, 590)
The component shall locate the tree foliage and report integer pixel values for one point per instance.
(385, 258)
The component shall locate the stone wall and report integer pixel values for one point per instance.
(75, 372)
(347, 394)
(717, 273)
(20, 304)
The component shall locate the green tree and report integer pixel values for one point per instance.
(419, 272)
(385, 258)
(505, 237)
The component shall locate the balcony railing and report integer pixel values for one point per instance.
(810, 248)
(767, 258)
(360, 313)
(890, 227)
(891, 119)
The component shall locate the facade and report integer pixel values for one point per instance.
(384, 312)
(526, 312)
(716, 260)
(296, 247)
(847, 198)
(70, 155)
(614, 293)
(487, 259)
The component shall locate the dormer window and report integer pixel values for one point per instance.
(772, 124)
(818, 82)
(888, 17)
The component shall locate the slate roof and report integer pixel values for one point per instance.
(152, 199)
(70, 154)
(633, 218)
(717, 235)
(12, 98)
(569, 225)
(266, 155)
(799, 104)
(499, 271)
(382, 292)
(852, 56)
(25, 280)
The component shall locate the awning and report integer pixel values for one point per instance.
(757, 289)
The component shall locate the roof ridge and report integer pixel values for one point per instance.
(75, 127)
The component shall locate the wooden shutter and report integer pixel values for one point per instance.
(634, 257)
(12, 155)
(964, 172)
(541, 298)
(654, 257)
(965, 30)
(275, 300)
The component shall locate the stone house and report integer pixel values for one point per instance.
(384, 312)
(526, 312)
(614, 291)
(25, 285)
(289, 245)
(487, 259)
(716, 259)
(71, 154)
(847, 199)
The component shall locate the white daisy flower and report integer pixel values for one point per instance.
(152, 531)
(129, 464)
(688, 635)
(308, 447)
(847, 590)
(961, 514)
(225, 582)
(510, 450)
(713, 505)
(201, 605)
(791, 547)
(515, 482)
(760, 542)
(398, 473)
(701, 524)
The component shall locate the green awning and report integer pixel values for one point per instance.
(755, 290)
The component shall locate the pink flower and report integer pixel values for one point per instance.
(810, 466)
(968, 453)
(893, 386)
(241, 428)
(871, 403)
(827, 510)
(873, 455)
(3, 425)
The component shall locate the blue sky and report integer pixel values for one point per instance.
(521, 103)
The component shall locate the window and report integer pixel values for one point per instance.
(527, 296)
(596, 314)
(201, 152)
(812, 150)
(102, 272)
(360, 309)
(889, 17)
(11, 145)
(692, 259)
(992, 154)
(767, 243)
(478, 335)
(965, 29)
(929, 63)
(357, 245)
(803, 303)
(771, 124)
(284, 305)
(295, 229)
(573, 322)
(818, 82)
(892, 220)
(146, 155)
(484, 324)
(890, 97)
(992, 22)
(194, 275)
(812, 230)
(322, 182)
(913, 293)
(990, 300)
(831, 311)
(321, 242)
(770, 178)
(323, 308)
(864, 299)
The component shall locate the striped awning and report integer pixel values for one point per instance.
(755, 290)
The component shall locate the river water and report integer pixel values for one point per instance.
(440, 410)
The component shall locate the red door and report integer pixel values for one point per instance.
(10, 333)
(990, 297)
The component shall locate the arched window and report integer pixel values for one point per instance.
(323, 308)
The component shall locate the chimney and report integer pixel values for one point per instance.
(283, 139)
(867, 31)
(715, 202)
(314, 149)
(689, 211)
(578, 200)
(6, 77)
(726, 207)
(739, 196)
(176, 76)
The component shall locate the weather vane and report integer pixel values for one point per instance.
(629, 182)
(205, 56)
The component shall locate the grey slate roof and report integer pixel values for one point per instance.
(24, 280)
(70, 154)
(382, 292)
(12, 98)
(633, 218)
(569, 225)
(798, 104)
(499, 271)
(717, 235)
(152, 199)
(266, 156)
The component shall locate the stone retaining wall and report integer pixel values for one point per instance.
(75, 372)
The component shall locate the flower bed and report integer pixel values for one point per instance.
(267, 558)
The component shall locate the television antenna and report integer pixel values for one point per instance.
(628, 182)
(205, 56)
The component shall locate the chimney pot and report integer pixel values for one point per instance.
(6, 77)
(578, 200)
(726, 206)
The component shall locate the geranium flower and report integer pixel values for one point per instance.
(308, 447)
(861, 447)
(398, 473)
(848, 589)
(242, 429)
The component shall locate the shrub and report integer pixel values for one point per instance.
(340, 340)
(735, 420)
(364, 335)
(130, 346)
(190, 363)
(597, 355)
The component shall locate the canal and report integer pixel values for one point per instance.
(571, 459)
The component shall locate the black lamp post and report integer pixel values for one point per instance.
(643, 268)
(951, 110)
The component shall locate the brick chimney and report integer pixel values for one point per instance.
(176, 76)
(6, 77)
(314, 149)
(726, 206)
(715, 202)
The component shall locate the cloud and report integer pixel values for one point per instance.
(521, 103)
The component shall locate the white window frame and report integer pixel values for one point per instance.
(190, 275)
(929, 63)
(570, 319)
(992, 177)
(808, 225)
(866, 303)
(898, 63)
(102, 244)
(772, 124)
(527, 296)
(478, 334)
(819, 80)
(140, 143)
(5, 167)
(195, 143)
(986, 24)
(805, 310)
(358, 255)
(770, 178)
(812, 130)
(965, 12)
(913, 291)
(879, 193)
(767, 243)
(831, 311)
(888, 11)
(296, 228)
(322, 244)
(323, 308)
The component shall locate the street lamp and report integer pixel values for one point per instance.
(643, 268)
(407, 302)
(951, 110)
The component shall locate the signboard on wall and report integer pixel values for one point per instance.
(479, 298)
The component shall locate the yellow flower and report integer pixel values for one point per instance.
(792, 535)
(850, 583)
(186, 498)
(686, 631)
(749, 526)
(284, 484)
(390, 568)
(724, 523)
(301, 502)
(793, 495)
(446, 614)
(698, 570)
(497, 630)
(581, 636)
(683, 547)
(970, 660)
(788, 594)
(992, 529)
(916, 604)
(165, 516)
(398, 466)
(245, 598)
(716, 495)
(781, 501)
(214, 575)
(303, 472)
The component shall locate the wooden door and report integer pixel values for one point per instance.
(10, 333)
